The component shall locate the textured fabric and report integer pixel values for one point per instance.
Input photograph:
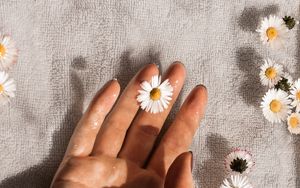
(69, 49)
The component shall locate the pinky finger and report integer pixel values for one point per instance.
(180, 172)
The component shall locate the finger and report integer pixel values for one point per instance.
(111, 136)
(180, 172)
(83, 138)
(180, 134)
(146, 126)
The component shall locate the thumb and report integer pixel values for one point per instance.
(180, 172)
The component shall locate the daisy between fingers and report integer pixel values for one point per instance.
(236, 181)
(8, 53)
(273, 31)
(276, 105)
(155, 96)
(7, 88)
(270, 73)
(294, 123)
(295, 95)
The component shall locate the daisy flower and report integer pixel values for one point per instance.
(276, 105)
(8, 53)
(7, 88)
(236, 181)
(295, 95)
(270, 73)
(239, 161)
(273, 31)
(155, 96)
(294, 123)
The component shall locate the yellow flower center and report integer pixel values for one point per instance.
(275, 106)
(294, 122)
(1, 89)
(271, 73)
(298, 95)
(271, 33)
(2, 50)
(155, 94)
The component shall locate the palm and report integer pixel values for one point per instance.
(114, 150)
(103, 171)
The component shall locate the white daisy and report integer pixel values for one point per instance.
(7, 88)
(294, 123)
(276, 105)
(270, 73)
(295, 95)
(239, 161)
(8, 53)
(236, 181)
(155, 96)
(273, 31)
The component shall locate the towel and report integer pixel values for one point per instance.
(69, 49)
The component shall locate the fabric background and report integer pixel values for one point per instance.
(69, 49)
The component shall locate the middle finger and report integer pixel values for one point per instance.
(146, 126)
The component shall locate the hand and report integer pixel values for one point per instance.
(112, 143)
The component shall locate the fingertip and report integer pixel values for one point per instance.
(147, 71)
(195, 104)
(202, 93)
(179, 62)
(185, 159)
(176, 74)
(179, 173)
(106, 96)
(178, 68)
(115, 85)
(198, 96)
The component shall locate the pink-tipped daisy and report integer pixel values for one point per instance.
(239, 161)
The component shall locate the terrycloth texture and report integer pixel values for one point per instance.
(69, 49)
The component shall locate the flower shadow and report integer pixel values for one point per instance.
(248, 61)
(212, 172)
(250, 16)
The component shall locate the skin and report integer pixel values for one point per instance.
(112, 145)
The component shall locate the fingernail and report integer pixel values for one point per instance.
(116, 79)
(192, 161)
(152, 63)
(201, 85)
(179, 62)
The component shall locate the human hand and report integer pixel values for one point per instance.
(113, 142)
